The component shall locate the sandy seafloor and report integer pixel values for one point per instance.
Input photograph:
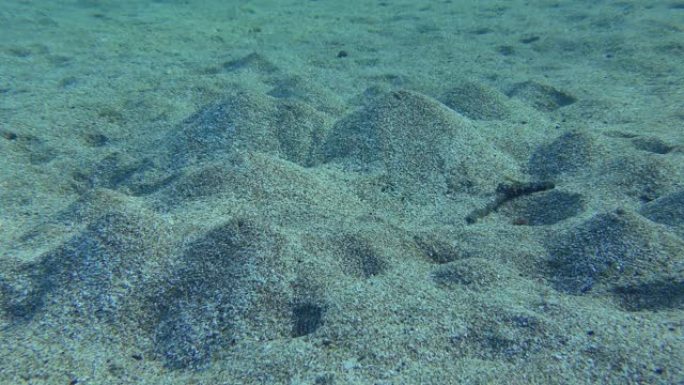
(341, 192)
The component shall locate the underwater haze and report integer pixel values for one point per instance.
(320, 192)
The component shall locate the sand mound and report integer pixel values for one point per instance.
(251, 122)
(541, 96)
(477, 102)
(91, 276)
(227, 284)
(668, 210)
(572, 152)
(611, 250)
(421, 146)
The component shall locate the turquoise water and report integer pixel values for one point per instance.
(365, 192)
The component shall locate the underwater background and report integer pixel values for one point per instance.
(360, 192)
